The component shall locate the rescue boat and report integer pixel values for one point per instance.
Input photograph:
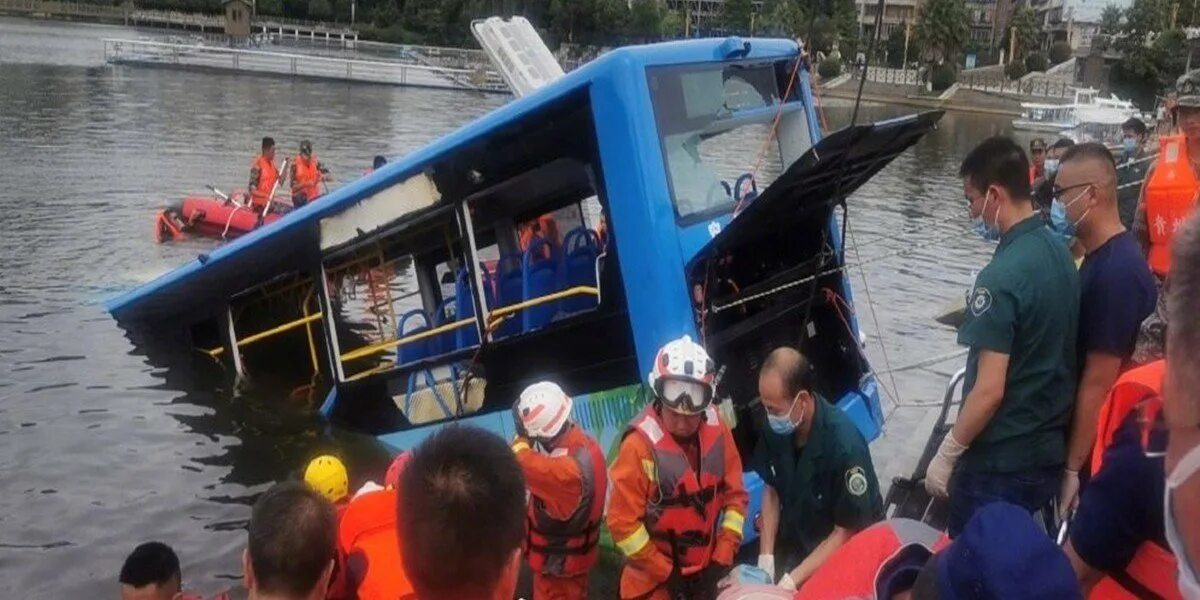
(207, 216)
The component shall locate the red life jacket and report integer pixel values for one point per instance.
(1170, 199)
(564, 548)
(854, 570)
(306, 179)
(682, 516)
(267, 176)
(368, 528)
(1152, 569)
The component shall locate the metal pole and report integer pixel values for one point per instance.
(234, 353)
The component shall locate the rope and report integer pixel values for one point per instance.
(762, 151)
(926, 362)
(871, 305)
(229, 220)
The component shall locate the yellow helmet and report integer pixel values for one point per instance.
(327, 475)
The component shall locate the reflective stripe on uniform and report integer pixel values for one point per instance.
(651, 472)
(635, 542)
(733, 521)
(520, 445)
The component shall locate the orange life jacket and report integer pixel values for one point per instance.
(1032, 174)
(1170, 199)
(368, 528)
(1152, 568)
(306, 179)
(268, 175)
(853, 571)
(682, 514)
(564, 548)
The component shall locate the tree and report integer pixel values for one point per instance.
(673, 24)
(942, 28)
(1024, 28)
(1060, 52)
(736, 16)
(646, 19)
(611, 20)
(845, 19)
(1110, 19)
(895, 47)
(320, 10)
(270, 7)
(779, 17)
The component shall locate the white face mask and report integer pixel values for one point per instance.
(1189, 584)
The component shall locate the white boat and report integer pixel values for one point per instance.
(1087, 109)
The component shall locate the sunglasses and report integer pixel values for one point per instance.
(1057, 191)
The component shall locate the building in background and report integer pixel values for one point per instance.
(1073, 21)
(895, 14)
(988, 20)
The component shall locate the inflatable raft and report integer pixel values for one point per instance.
(221, 218)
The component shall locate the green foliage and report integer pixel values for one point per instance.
(942, 29)
(646, 19)
(735, 16)
(386, 14)
(1110, 19)
(942, 77)
(895, 47)
(673, 24)
(1015, 69)
(1060, 52)
(1024, 27)
(829, 68)
(780, 18)
(1146, 68)
(845, 20)
(270, 7)
(320, 10)
(1036, 62)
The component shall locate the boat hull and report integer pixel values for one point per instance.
(208, 217)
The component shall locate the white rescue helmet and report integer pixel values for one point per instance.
(682, 376)
(543, 409)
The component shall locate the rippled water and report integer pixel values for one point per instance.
(100, 450)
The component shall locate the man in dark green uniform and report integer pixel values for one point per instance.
(1131, 168)
(821, 485)
(1010, 440)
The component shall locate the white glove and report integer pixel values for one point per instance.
(1068, 493)
(368, 488)
(937, 476)
(787, 583)
(766, 562)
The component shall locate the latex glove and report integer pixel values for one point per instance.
(368, 488)
(787, 582)
(766, 562)
(937, 476)
(1068, 492)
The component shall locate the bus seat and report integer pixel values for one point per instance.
(510, 284)
(421, 403)
(540, 278)
(464, 308)
(412, 351)
(580, 249)
(446, 314)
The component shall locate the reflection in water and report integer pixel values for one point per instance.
(103, 446)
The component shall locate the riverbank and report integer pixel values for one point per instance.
(960, 100)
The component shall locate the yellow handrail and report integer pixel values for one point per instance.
(504, 311)
(246, 341)
(416, 337)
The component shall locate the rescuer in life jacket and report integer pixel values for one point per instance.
(677, 504)
(368, 546)
(1168, 198)
(567, 478)
(307, 175)
(263, 175)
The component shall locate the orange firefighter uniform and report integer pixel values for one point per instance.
(567, 489)
(674, 508)
(1152, 568)
(1170, 199)
(263, 177)
(307, 175)
(369, 548)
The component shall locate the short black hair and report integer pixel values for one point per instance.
(998, 161)
(150, 563)
(268, 142)
(292, 538)
(1062, 142)
(380, 160)
(1135, 125)
(792, 367)
(1091, 150)
(461, 513)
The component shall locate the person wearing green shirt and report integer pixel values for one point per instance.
(1009, 442)
(820, 484)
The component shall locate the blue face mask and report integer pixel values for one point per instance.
(1051, 166)
(988, 232)
(783, 424)
(1059, 221)
(1130, 145)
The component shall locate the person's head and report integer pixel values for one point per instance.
(379, 161)
(461, 516)
(1133, 134)
(544, 411)
(1181, 401)
(305, 148)
(995, 178)
(1085, 190)
(292, 542)
(1187, 115)
(785, 387)
(1055, 153)
(327, 475)
(268, 148)
(1037, 152)
(681, 381)
(391, 478)
(151, 572)
(1001, 553)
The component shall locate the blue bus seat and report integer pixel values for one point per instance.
(540, 277)
(464, 307)
(446, 314)
(581, 247)
(509, 288)
(417, 350)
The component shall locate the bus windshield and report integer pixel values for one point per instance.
(714, 120)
